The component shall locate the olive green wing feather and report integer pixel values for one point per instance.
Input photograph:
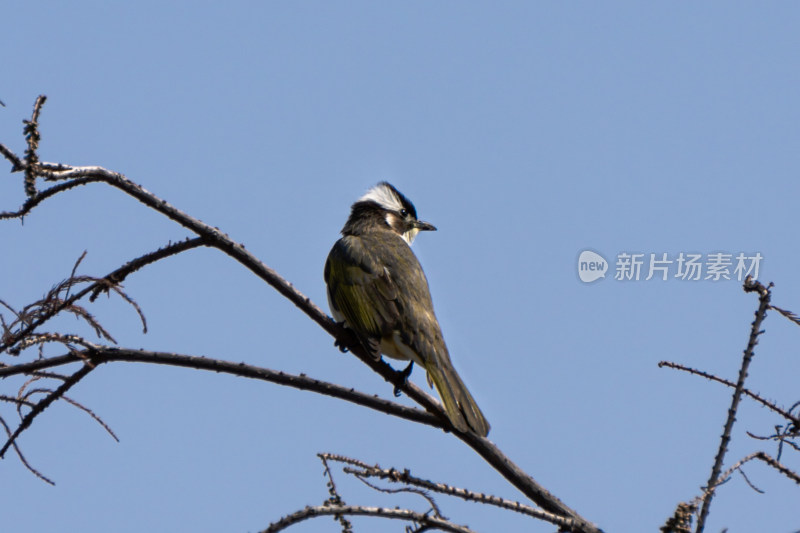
(361, 290)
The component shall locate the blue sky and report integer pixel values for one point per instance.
(526, 132)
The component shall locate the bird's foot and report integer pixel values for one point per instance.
(341, 346)
(405, 375)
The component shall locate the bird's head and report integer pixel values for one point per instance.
(384, 206)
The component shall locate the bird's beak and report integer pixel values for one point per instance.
(424, 226)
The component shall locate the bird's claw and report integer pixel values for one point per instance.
(341, 346)
(405, 375)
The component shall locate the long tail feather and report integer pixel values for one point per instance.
(460, 406)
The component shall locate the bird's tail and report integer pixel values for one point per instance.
(460, 406)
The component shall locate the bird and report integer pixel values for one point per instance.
(377, 288)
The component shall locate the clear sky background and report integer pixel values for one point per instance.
(527, 132)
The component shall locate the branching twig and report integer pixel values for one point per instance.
(396, 476)
(24, 394)
(44, 404)
(763, 297)
(99, 285)
(783, 436)
(761, 456)
(335, 498)
(355, 510)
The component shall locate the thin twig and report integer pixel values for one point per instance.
(16, 401)
(93, 415)
(16, 162)
(120, 274)
(363, 477)
(746, 392)
(750, 483)
(22, 457)
(788, 314)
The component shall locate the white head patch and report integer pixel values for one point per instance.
(385, 196)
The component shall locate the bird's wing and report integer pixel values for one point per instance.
(420, 330)
(418, 326)
(361, 288)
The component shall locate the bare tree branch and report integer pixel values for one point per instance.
(98, 355)
(750, 285)
(213, 237)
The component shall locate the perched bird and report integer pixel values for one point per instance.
(376, 286)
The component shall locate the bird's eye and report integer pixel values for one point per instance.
(404, 212)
